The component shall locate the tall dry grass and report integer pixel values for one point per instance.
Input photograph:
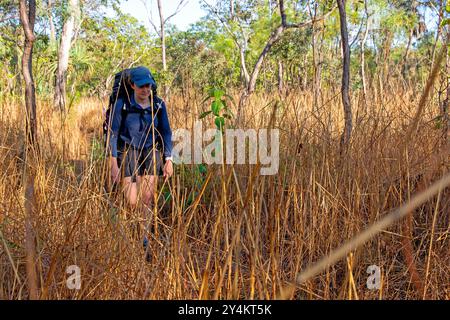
(230, 233)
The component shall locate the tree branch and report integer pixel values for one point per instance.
(176, 10)
(150, 18)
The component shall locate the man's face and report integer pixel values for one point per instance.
(142, 92)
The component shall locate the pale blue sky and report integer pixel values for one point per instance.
(190, 12)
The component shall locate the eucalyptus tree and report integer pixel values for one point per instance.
(161, 31)
(71, 18)
(27, 11)
(345, 73)
(255, 29)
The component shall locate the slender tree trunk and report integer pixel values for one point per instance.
(244, 70)
(320, 59)
(232, 9)
(386, 55)
(315, 59)
(18, 88)
(63, 54)
(405, 56)
(274, 37)
(445, 107)
(345, 74)
(438, 33)
(27, 18)
(408, 46)
(305, 73)
(254, 76)
(50, 21)
(363, 60)
(162, 34)
(445, 118)
(363, 68)
(280, 76)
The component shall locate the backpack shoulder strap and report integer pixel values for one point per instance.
(157, 105)
(124, 112)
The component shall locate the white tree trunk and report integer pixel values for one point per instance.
(245, 74)
(63, 53)
(232, 9)
(162, 34)
(50, 21)
(363, 61)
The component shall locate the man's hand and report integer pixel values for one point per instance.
(115, 172)
(168, 169)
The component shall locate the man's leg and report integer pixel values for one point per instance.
(147, 189)
(130, 190)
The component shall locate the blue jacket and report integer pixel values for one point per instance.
(137, 128)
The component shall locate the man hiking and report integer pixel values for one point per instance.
(139, 133)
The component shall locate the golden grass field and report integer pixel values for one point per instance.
(230, 233)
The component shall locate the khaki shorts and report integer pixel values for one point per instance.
(139, 162)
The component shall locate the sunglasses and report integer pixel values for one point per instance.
(144, 86)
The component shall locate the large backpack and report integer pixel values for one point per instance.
(122, 90)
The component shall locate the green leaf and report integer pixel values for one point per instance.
(216, 106)
(445, 22)
(211, 92)
(202, 168)
(447, 7)
(220, 122)
(215, 93)
(204, 114)
(218, 94)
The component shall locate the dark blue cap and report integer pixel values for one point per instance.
(141, 76)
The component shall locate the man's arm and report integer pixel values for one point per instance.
(114, 126)
(165, 132)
